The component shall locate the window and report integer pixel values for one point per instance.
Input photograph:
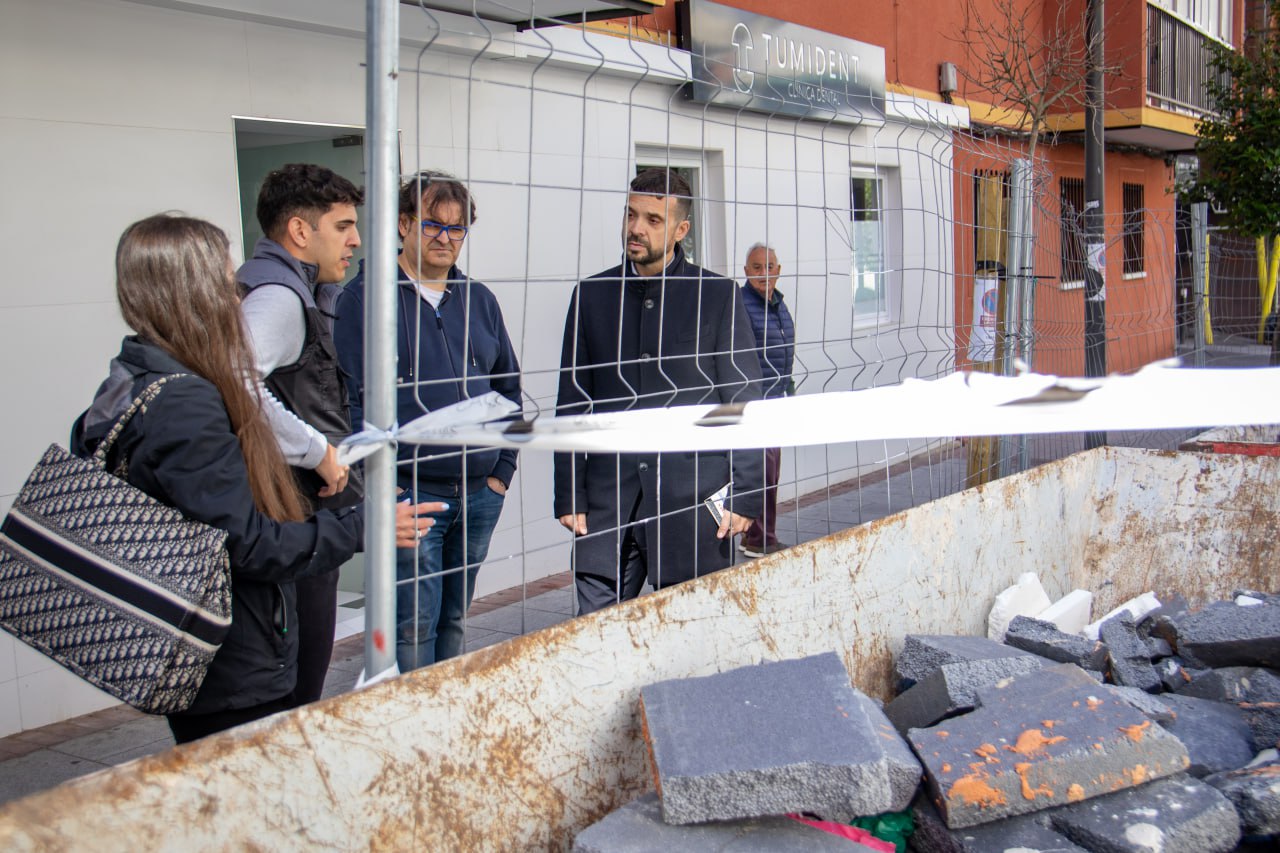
(1071, 195)
(1134, 225)
(1210, 16)
(866, 232)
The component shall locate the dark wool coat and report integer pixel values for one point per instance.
(681, 338)
(182, 451)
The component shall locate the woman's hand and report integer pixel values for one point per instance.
(413, 521)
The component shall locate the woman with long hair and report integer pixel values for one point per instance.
(203, 447)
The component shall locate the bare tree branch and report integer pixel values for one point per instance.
(1026, 58)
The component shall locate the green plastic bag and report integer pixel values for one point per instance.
(894, 827)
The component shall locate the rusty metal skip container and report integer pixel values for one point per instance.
(521, 745)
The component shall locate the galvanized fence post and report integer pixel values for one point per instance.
(382, 73)
(1022, 266)
(1017, 319)
(1199, 278)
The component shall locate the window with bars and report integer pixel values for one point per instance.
(1071, 196)
(1135, 262)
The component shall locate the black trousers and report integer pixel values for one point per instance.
(596, 592)
(189, 727)
(317, 614)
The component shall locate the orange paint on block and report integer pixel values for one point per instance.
(1075, 793)
(946, 768)
(974, 790)
(1028, 792)
(944, 734)
(1033, 742)
(1094, 703)
(379, 641)
(988, 751)
(1137, 775)
(1136, 733)
(1048, 724)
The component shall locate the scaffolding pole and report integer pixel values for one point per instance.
(382, 71)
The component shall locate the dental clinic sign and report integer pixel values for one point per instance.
(757, 63)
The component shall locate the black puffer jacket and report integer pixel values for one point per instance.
(182, 451)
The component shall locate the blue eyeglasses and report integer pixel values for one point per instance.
(432, 230)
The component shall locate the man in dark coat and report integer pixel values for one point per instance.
(654, 331)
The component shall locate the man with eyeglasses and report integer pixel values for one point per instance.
(451, 344)
(308, 214)
(654, 331)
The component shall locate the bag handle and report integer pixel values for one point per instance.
(140, 403)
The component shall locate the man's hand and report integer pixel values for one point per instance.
(497, 485)
(333, 474)
(732, 524)
(410, 526)
(577, 523)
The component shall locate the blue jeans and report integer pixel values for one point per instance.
(434, 591)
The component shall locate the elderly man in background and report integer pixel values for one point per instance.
(776, 336)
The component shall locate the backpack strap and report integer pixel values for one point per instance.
(139, 404)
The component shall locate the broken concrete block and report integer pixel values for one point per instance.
(1159, 622)
(1152, 706)
(952, 688)
(1263, 720)
(638, 828)
(1137, 609)
(1173, 675)
(1025, 598)
(791, 736)
(1178, 815)
(1127, 655)
(1255, 793)
(1040, 740)
(1041, 638)
(1225, 635)
(1025, 834)
(1234, 684)
(1215, 734)
(1070, 613)
(922, 654)
(1158, 648)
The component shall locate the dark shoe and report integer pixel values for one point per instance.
(759, 550)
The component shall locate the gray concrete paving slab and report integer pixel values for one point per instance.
(148, 732)
(40, 770)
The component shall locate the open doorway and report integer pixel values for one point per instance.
(264, 144)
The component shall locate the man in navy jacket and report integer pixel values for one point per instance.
(654, 331)
(776, 335)
(452, 344)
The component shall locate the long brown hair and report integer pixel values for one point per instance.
(177, 290)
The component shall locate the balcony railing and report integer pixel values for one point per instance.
(1178, 57)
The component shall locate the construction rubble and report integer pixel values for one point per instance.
(1152, 729)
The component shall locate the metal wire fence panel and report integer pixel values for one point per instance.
(907, 247)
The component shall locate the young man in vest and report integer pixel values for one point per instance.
(290, 285)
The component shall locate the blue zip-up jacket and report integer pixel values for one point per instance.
(434, 351)
(775, 336)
